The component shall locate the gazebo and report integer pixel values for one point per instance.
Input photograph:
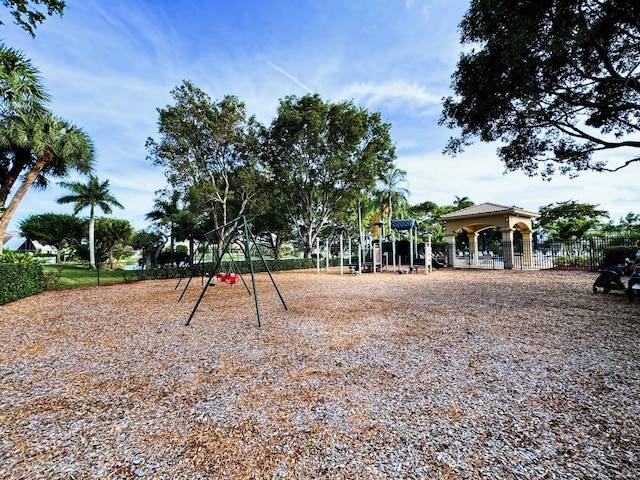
(474, 220)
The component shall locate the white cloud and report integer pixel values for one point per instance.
(477, 174)
(109, 67)
(391, 93)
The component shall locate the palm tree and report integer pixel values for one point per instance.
(92, 194)
(165, 213)
(21, 89)
(392, 191)
(34, 144)
(462, 202)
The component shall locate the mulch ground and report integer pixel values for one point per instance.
(453, 375)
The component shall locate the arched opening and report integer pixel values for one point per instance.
(497, 237)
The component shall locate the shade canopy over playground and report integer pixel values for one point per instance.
(477, 218)
(404, 224)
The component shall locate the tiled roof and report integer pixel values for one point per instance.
(486, 209)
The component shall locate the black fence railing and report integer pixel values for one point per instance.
(590, 253)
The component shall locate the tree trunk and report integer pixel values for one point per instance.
(191, 251)
(276, 247)
(5, 215)
(92, 247)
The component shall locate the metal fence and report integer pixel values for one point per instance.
(590, 253)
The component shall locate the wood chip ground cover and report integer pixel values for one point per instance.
(452, 375)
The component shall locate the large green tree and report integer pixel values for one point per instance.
(569, 220)
(91, 194)
(29, 14)
(58, 230)
(150, 243)
(555, 81)
(207, 150)
(321, 155)
(428, 215)
(630, 224)
(111, 233)
(268, 220)
(35, 146)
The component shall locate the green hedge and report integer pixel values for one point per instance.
(243, 267)
(572, 261)
(617, 255)
(19, 280)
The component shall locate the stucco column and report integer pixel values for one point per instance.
(507, 247)
(451, 249)
(527, 249)
(473, 247)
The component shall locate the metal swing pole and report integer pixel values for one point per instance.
(253, 274)
(193, 270)
(268, 271)
(213, 270)
(235, 266)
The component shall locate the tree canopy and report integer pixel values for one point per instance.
(109, 234)
(557, 82)
(320, 156)
(569, 219)
(55, 229)
(35, 145)
(28, 16)
(207, 151)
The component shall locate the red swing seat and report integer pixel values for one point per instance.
(231, 278)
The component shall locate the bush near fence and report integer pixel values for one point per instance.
(18, 280)
(574, 261)
(617, 255)
(242, 267)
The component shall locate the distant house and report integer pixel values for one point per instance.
(16, 242)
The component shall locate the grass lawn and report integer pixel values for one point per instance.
(73, 275)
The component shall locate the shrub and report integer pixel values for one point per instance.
(571, 261)
(19, 280)
(243, 267)
(616, 255)
(177, 257)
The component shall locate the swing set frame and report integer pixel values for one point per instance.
(234, 229)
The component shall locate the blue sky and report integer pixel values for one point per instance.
(109, 65)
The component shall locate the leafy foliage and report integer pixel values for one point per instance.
(207, 150)
(55, 229)
(569, 219)
(321, 156)
(20, 276)
(150, 244)
(617, 255)
(28, 16)
(35, 146)
(556, 81)
(111, 233)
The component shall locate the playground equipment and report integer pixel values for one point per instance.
(236, 230)
(374, 253)
(407, 225)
